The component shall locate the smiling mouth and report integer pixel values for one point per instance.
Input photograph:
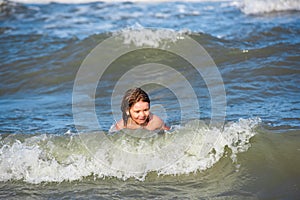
(142, 121)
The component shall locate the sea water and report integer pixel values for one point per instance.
(55, 117)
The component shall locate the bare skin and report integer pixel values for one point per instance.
(141, 117)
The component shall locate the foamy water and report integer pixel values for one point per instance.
(267, 6)
(191, 148)
(45, 153)
(247, 6)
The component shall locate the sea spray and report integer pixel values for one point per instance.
(141, 36)
(58, 158)
(266, 6)
(209, 146)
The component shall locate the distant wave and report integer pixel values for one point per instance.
(90, 1)
(139, 36)
(246, 6)
(267, 6)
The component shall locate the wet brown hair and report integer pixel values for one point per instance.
(131, 97)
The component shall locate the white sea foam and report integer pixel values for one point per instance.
(140, 36)
(266, 6)
(247, 6)
(90, 1)
(52, 158)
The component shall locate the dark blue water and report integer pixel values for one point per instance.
(44, 44)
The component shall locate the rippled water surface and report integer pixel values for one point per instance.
(255, 155)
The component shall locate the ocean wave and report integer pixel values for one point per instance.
(247, 6)
(267, 6)
(91, 1)
(141, 36)
(57, 158)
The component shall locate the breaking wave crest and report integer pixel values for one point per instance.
(267, 6)
(57, 158)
